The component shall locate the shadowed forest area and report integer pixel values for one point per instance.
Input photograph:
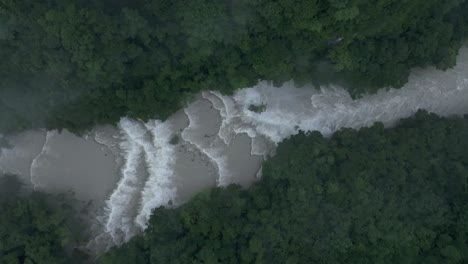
(363, 196)
(75, 64)
(36, 227)
(372, 195)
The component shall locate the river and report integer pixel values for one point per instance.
(216, 140)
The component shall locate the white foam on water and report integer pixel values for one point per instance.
(119, 206)
(232, 124)
(35, 162)
(230, 116)
(129, 207)
(106, 139)
(212, 149)
(159, 189)
(289, 109)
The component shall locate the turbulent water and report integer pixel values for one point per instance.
(222, 141)
(139, 191)
(286, 111)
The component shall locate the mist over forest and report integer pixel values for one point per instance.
(75, 64)
(238, 131)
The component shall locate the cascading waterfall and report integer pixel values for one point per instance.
(119, 207)
(229, 114)
(153, 172)
(145, 148)
(287, 110)
(147, 160)
(213, 149)
(159, 189)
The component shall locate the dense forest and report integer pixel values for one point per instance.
(374, 195)
(36, 228)
(76, 63)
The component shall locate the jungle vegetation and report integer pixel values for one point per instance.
(37, 228)
(77, 63)
(372, 195)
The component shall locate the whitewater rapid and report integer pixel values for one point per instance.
(219, 139)
(216, 120)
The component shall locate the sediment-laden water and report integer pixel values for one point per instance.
(215, 140)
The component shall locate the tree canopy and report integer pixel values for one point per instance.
(74, 64)
(372, 195)
(36, 228)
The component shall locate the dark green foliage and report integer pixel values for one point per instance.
(35, 228)
(75, 64)
(174, 140)
(369, 196)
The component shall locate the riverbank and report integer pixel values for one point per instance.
(215, 141)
